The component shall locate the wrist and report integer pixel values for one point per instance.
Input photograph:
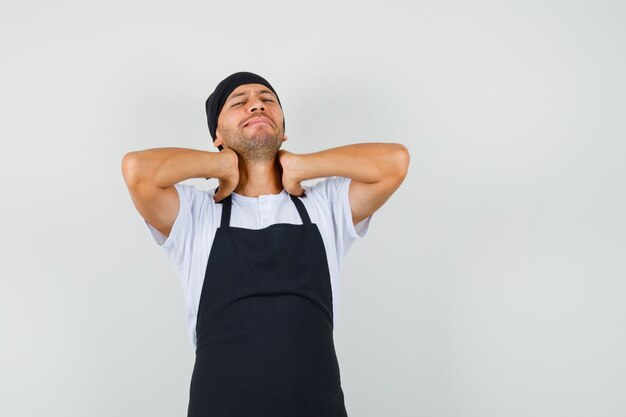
(295, 166)
(221, 164)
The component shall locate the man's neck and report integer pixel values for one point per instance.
(257, 179)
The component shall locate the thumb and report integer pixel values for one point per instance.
(294, 188)
(220, 194)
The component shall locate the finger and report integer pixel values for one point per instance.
(294, 189)
(221, 194)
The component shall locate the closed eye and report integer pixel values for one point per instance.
(241, 102)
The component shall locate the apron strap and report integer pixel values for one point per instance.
(226, 205)
(300, 206)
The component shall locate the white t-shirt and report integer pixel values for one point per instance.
(189, 243)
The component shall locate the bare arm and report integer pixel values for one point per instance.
(376, 170)
(150, 176)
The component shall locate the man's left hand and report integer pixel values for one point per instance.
(291, 180)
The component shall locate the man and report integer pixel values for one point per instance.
(259, 257)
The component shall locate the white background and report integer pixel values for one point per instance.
(491, 284)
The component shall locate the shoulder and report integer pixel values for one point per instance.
(191, 190)
(193, 195)
(196, 205)
(330, 188)
(330, 197)
(196, 208)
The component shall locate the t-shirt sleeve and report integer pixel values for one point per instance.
(336, 192)
(178, 245)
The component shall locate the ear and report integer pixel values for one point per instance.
(218, 139)
(284, 138)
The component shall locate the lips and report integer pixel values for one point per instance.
(258, 120)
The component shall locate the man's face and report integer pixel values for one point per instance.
(251, 123)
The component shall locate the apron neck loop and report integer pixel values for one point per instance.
(300, 206)
(227, 205)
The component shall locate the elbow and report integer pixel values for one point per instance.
(401, 160)
(131, 168)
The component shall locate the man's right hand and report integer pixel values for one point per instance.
(229, 174)
(151, 174)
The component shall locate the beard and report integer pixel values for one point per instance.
(259, 146)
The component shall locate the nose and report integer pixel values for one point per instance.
(256, 103)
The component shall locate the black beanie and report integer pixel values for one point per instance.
(216, 100)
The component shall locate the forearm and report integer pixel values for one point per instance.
(363, 162)
(164, 167)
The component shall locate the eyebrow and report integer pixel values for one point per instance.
(244, 93)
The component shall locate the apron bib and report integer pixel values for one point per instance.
(265, 325)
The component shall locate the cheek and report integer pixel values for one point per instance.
(228, 122)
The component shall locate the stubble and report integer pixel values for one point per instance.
(260, 146)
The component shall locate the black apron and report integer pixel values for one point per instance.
(265, 325)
